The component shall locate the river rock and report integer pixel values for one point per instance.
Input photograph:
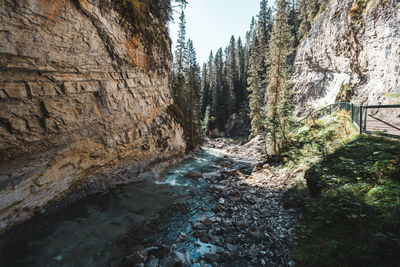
(211, 175)
(182, 259)
(216, 219)
(219, 188)
(182, 237)
(231, 172)
(136, 257)
(204, 239)
(207, 222)
(169, 261)
(194, 174)
(230, 247)
(153, 262)
(199, 233)
(211, 257)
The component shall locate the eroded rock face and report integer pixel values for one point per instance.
(350, 58)
(80, 98)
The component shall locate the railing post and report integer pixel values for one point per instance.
(352, 113)
(361, 108)
(365, 119)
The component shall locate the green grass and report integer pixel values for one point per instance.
(312, 142)
(350, 197)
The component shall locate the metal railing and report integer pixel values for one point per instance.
(359, 116)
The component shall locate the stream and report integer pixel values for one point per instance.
(103, 229)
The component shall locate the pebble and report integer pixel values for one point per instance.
(207, 222)
(182, 237)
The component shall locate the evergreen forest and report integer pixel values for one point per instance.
(244, 89)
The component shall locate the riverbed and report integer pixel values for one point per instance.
(104, 228)
(229, 215)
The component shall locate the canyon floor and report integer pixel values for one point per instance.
(221, 207)
(245, 222)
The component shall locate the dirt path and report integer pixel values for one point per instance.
(377, 125)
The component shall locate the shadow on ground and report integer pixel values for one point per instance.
(352, 214)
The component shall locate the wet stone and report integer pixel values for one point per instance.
(211, 257)
(153, 262)
(194, 174)
(182, 237)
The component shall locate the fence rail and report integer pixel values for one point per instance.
(360, 117)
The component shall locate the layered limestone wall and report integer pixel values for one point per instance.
(350, 57)
(80, 98)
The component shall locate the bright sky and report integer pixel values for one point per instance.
(211, 23)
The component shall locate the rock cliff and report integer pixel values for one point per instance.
(352, 53)
(83, 97)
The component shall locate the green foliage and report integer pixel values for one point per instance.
(345, 93)
(255, 83)
(394, 98)
(358, 8)
(309, 10)
(231, 78)
(187, 89)
(352, 217)
(148, 20)
(181, 45)
(278, 110)
(236, 75)
(312, 142)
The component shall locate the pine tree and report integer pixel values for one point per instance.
(277, 99)
(192, 94)
(267, 57)
(247, 50)
(186, 87)
(285, 111)
(255, 83)
(181, 43)
(218, 108)
(251, 31)
(178, 79)
(263, 39)
(294, 28)
(241, 92)
(231, 77)
(205, 89)
(305, 24)
(262, 24)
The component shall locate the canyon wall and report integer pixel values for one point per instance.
(83, 97)
(352, 53)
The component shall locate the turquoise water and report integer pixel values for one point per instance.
(102, 229)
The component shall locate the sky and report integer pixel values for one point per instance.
(211, 23)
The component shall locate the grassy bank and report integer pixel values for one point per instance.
(349, 191)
